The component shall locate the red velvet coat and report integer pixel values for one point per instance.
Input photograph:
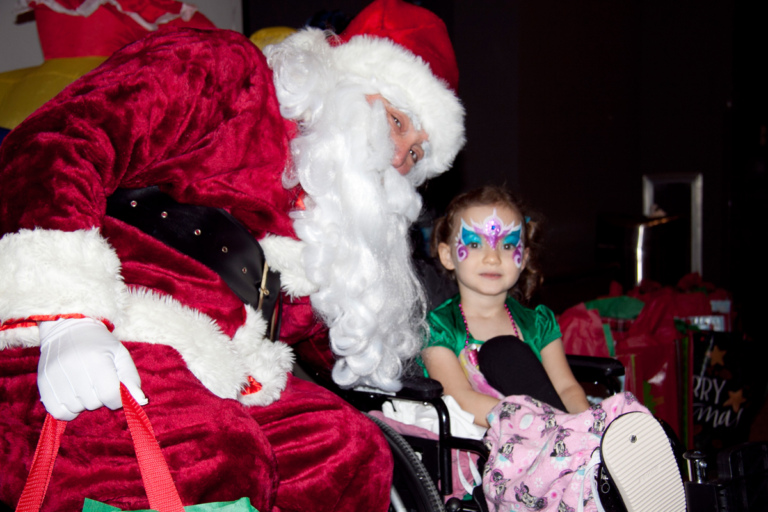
(194, 112)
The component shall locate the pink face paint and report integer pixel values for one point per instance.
(517, 256)
(466, 238)
(461, 250)
(493, 229)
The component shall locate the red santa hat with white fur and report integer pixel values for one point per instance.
(405, 50)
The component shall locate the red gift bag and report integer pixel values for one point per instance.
(158, 482)
(642, 330)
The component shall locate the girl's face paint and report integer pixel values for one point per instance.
(517, 256)
(493, 230)
(513, 240)
(465, 239)
(487, 257)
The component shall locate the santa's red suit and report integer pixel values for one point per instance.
(194, 112)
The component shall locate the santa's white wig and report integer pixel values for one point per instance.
(359, 207)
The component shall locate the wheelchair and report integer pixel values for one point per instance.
(423, 477)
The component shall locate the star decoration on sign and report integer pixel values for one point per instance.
(736, 398)
(716, 356)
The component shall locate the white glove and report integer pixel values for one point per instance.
(81, 367)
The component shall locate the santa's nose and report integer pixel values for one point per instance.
(404, 158)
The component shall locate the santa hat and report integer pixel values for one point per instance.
(405, 51)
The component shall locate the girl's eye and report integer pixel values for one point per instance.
(469, 237)
(508, 247)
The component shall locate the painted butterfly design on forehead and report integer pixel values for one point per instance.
(492, 230)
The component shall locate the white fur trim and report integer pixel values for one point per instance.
(408, 83)
(20, 337)
(267, 361)
(284, 255)
(222, 364)
(50, 272)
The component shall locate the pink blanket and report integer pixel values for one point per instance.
(538, 454)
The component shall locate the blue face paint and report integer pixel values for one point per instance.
(492, 231)
(513, 238)
(465, 238)
(469, 237)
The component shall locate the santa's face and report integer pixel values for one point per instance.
(407, 138)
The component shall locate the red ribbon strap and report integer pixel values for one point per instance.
(161, 491)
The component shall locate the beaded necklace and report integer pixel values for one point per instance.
(466, 326)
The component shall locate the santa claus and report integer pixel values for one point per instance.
(315, 150)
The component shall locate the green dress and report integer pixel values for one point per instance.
(446, 327)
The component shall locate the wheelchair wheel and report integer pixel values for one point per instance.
(413, 489)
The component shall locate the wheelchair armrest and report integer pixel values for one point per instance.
(421, 389)
(415, 389)
(592, 369)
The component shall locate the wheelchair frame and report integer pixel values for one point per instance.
(435, 458)
(741, 484)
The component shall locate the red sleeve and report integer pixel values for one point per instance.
(183, 109)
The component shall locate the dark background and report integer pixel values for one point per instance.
(570, 103)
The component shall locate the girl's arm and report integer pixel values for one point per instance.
(561, 376)
(443, 366)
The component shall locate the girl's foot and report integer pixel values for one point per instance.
(638, 459)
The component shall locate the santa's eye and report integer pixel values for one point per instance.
(397, 122)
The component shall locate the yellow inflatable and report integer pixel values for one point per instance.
(270, 35)
(22, 91)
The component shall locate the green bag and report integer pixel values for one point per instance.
(241, 505)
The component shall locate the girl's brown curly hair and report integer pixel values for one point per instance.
(445, 227)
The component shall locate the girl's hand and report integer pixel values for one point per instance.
(443, 366)
(559, 372)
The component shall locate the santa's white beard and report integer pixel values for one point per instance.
(356, 230)
(355, 227)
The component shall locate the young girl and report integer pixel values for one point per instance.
(485, 241)
(505, 363)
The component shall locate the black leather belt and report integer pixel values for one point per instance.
(209, 235)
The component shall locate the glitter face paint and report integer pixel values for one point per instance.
(493, 230)
(517, 256)
(466, 237)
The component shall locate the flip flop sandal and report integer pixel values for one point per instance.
(639, 461)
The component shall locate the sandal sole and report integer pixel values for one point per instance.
(640, 461)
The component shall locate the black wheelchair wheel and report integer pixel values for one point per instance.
(413, 489)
